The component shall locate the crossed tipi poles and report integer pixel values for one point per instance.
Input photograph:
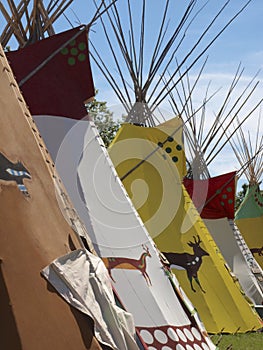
(30, 21)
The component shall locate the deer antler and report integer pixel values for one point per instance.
(196, 241)
(199, 239)
(145, 248)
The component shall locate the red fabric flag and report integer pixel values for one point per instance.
(64, 82)
(214, 198)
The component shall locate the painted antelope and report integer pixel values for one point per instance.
(130, 264)
(190, 262)
(257, 250)
(14, 172)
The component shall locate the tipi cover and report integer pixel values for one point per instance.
(161, 315)
(154, 185)
(223, 235)
(249, 220)
(125, 246)
(214, 198)
(33, 235)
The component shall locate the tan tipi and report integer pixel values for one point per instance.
(40, 237)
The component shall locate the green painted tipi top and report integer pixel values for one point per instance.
(252, 205)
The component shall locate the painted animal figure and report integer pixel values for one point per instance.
(130, 264)
(257, 250)
(14, 172)
(190, 262)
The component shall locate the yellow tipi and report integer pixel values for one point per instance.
(145, 160)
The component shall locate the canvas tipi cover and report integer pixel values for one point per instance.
(163, 316)
(154, 185)
(121, 239)
(223, 235)
(35, 235)
(214, 198)
(249, 220)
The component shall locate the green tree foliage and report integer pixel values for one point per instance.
(240, 196)
(103, 119)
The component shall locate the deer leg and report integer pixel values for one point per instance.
(190, 277)
(191, 283)
(198, 282)
(147, 278)
(109, 270)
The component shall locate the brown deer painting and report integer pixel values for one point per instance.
(130, 264)
(190, 262)
(259, 251)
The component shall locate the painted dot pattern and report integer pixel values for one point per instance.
(81, 57)
(197, 347)
(181, 335)
(81, 46)
(160, 336)
(74, 52)
(189, 347)
(172, 334)
(196, 333)
(225, 196)
(204, 346)
(147, 337)
(173, 151)
(179, 347)
(170, 337)
(188, 334)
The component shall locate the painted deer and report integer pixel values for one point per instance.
(257, 250)
(130, 264)
(14, 172)
(190, 262)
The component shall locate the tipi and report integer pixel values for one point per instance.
(154, 184)
(249, 216)
(37, 241)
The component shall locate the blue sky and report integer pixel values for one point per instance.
(240, 43)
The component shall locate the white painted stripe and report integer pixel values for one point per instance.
(22, 188)
(17, 172)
